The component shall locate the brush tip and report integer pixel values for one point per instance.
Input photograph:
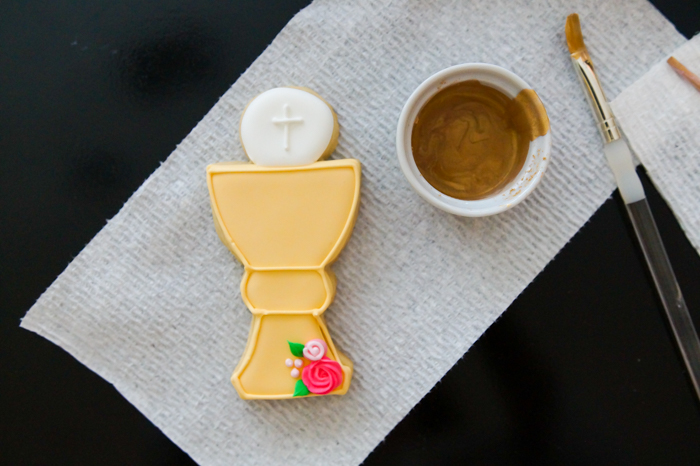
(574, 37)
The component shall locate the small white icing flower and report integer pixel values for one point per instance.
(298, 363)
(315, 349)
(295, 373)
(288, 363)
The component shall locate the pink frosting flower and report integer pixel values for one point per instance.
(322, 376)
(315, 349)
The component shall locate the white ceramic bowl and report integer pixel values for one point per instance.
(513, 193)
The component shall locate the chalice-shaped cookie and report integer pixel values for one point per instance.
(286, 217)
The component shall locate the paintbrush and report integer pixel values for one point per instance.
(620, 160)
(684, 72)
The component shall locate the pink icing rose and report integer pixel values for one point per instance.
(322, 376)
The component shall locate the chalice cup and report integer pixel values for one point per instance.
(286, 225)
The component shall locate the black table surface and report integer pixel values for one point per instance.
(581, 368)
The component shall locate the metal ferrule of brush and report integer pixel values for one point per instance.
(596, 97)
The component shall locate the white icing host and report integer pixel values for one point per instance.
(287, 127)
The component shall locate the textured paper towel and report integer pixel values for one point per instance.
(660, 115)
(152, 304)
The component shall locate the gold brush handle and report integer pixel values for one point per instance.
(596, 97)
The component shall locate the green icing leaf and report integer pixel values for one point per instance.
(300, 389)
(297, 349)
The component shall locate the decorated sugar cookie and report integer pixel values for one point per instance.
(286, 216)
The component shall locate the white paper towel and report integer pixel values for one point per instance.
(660, 114)
(152, 304)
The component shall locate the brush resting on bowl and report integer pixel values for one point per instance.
(286, 217)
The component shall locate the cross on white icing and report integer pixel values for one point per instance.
(286, 120)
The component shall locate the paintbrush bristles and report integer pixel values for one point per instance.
(574, 37)
(684, 72)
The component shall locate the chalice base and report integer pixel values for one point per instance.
(262, 372)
